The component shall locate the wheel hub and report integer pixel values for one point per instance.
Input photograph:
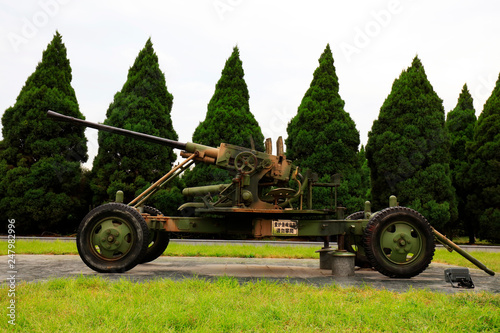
(402, 243)
(112, 238)
(398, 241)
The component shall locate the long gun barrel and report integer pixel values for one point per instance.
(226, 156)
(111, 129)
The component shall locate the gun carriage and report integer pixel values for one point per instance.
(259, 201)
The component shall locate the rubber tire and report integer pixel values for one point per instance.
(374, 230)
(361, 260)
(139, 235)
(158, 239)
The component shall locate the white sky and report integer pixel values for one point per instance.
(280, 42)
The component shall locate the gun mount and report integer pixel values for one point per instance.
(115, 237)
(253, 172)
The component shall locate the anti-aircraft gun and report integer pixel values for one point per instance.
(115, 237)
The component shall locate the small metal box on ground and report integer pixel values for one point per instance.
(460, 276)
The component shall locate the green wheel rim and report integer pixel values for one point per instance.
(111, 238)
(401, 243)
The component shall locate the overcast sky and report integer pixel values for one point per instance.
(280, 42)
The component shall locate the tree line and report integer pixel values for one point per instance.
(446, 166)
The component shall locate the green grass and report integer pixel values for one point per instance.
(490, 259)
(176, 249)
(40, 247)
(93, 304)
(465, 240)
(242, 251)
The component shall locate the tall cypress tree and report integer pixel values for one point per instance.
(228, 120)
(323, 137)
(143, 105)
(460, 123)
(365, 186)
(408, 149)
(484, 170)
(40, 161)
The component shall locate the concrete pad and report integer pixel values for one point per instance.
(33, 268)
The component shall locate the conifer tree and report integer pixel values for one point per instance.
(323, 137)
(41, 184)
(484, 168)
(408, 149)
(228, 120)
(143, 105)
(365, 187)
(460, 123)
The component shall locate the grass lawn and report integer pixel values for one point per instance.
(94, 304)
(224, 305)
(465, 240)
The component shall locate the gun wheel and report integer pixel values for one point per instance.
(245, 162)
(399, 242)
(112, 238)
(158, 239)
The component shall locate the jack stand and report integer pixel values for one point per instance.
(343, 263)
(325, 254)
(342, 260)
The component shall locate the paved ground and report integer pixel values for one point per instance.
(43, 267)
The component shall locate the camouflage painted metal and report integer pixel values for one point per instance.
(268, 196)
